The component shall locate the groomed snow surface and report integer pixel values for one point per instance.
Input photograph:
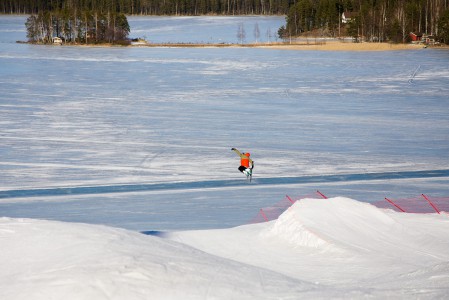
(317, 249)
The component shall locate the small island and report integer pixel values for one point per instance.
(73, 27)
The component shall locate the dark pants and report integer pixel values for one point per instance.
(243, 168)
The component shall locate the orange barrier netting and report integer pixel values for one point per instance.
(422, 204)
(273, 212)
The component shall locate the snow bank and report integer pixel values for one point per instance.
(55, 260)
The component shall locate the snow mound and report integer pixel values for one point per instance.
(332, 224)
(56, 260)
(349, 248)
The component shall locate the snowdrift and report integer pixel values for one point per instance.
(319, 248)
(55, 260)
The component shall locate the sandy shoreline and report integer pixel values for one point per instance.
(325, 46)
(347, 46)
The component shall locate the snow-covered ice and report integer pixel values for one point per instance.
(97, 120)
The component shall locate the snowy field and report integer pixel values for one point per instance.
(98, 144)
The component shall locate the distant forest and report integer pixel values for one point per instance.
(153, 7)
(367, 20)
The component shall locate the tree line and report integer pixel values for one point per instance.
(153, 7)
(370, 20)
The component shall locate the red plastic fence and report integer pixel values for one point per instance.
(421, 204)
(273, 212)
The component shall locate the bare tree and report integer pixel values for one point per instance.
(256, 32)
(269, 35)
(241, 34)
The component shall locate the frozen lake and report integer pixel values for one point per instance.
(207, 29)
(95, 117)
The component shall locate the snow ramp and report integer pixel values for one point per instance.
(343, 227)
(334, 224)
(322, 236)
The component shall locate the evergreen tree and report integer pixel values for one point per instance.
(443, 25)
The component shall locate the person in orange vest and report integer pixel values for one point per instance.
(245, 162)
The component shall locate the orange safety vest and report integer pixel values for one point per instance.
(244, 161)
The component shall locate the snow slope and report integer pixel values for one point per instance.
(337, 248)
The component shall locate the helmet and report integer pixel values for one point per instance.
(247, 154)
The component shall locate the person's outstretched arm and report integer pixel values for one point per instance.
(237, 151)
